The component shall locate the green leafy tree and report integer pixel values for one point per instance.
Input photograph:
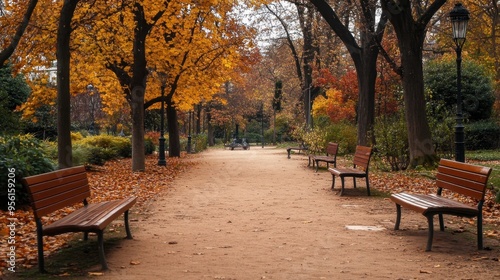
(477, 88)
(13, 92)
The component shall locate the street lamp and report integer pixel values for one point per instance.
(161, 155)
(459, 17)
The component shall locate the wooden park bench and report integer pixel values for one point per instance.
(301, 147)
(459, 178)
(330, 157)
(361, 162)
(66, 187)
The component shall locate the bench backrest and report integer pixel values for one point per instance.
(467, 179)
(362, 157)
(332, 149)
(58, 189)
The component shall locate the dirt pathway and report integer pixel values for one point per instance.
(257, 215)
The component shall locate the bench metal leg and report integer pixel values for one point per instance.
(441, 222)
(39, 237)
(430, 222)
(317, 165)
(288, 151)
(102, 257)
(480, 227)
(127, 225)
(398, 217)
(85, 236)
(354, 182)
(333, 182)
(342, 189)
(367, 185)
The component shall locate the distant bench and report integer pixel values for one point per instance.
(460, 178)
(62, 188)
(301, 147)
(330, 157)
(361, 163)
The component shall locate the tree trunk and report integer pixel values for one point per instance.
(63, 55)
(367, 75)
(310, 51)
(419, 134)
(174, 144)
(411, 34)
(138, 150)
(210, 129)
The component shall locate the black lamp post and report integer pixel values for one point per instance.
(459, 17)
(161, 155)
(189, 134)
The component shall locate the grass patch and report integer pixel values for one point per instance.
(489, 158)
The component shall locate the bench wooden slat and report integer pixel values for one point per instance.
(426, 204)
(54, 175)
(453, 184)
(55, 187)
(90, 218)
(461, 178)
(58, 189)
(348, 172)
(362, 157)
(47, 206)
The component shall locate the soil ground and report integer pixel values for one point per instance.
(254, 214)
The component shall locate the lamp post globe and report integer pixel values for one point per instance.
(459, 18)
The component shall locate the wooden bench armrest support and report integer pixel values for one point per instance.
(461, 178)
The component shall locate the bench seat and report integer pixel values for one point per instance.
(433, 204)
(91, 217)
(348, 172)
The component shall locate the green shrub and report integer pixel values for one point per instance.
(482, 135)
(24, 156)
(477, 88)
(200, 142)
(392, 141)
(345, 134)
(99, 155)
(81, 154)
(442, 123)
(316, 140)
(121, 146)
(253, 137)
(149, 146)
